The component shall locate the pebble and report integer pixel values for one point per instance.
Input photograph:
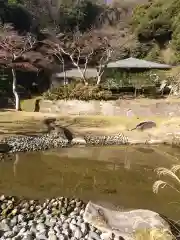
(48, 141)
(52, 237)
(4, 227)
(40, 227)
(72, 227)
(84, 228)
(77, 233)
(117, 139)
(13, 221)
(16, 229)
(94, 236)
(41, 223)
(41, 236)
(36, 143)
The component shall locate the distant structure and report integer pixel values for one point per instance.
(127, 70)
(129, 65)
(67, 77)
(107, 1)
(135, 63)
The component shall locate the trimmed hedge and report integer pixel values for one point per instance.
(79, 92)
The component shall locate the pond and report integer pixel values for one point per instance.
(121, 177)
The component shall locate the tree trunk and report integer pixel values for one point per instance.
(17, 101)
(135, 92)
(83, 76)
(64, 71)
(98, 80)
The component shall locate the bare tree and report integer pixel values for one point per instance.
(12, 48)
(61, 60)
(83, 50)
(75, 57)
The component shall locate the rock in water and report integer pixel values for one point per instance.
(123, 223)
(145, 125)
(78, 141)
(4, 147)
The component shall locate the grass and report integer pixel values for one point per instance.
(28, 104)
(29, 122)
(172, 174)
(12, 122)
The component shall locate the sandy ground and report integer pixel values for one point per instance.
(30, 123)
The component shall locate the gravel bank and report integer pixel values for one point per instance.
(49, 141)
(35, 143)
(57, 218)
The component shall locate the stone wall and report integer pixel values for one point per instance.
(113, 108)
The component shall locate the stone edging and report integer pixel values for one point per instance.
(121, 107)
(50, 141)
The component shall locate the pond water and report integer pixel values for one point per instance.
(121, 177)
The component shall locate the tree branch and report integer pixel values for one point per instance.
(76, 60)
(14, 46)
(103, 64)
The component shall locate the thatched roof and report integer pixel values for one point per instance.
(137, 63)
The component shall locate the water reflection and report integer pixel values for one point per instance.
(145, 149)
(127, 162)
(15, 164)
(119, 175)
(113, 166)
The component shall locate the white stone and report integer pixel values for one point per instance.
(77, 233)
(79, 140)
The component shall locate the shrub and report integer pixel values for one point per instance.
(5, 83)
(118, 79)
(79, 92)
(154, 54)
(150, 23)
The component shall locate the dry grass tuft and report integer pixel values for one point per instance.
(172, 173)
(174, 184)
(153, 234)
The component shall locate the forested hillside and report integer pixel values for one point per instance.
(47, 36)
(157, 24)
(110, 20)
(139, 28)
